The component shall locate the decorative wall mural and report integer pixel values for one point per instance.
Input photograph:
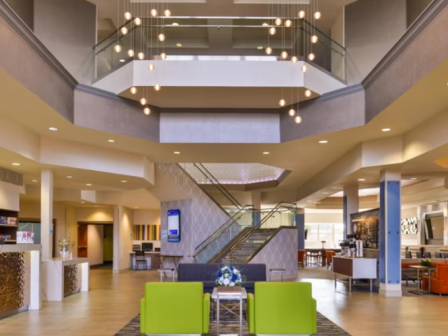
(12, 281)
(409, 225)
(71, 279)
(146, 232)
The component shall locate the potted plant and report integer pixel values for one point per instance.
(64, 249)
(426, 263)
(229, 276)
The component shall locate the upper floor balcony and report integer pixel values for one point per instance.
(243, 62)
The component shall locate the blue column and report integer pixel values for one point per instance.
(344, 215)
(390, 237)
(300, 223)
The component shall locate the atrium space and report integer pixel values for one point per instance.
(223, 167)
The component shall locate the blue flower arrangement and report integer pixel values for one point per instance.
(229, 276)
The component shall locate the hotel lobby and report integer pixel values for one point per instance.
(223, 167)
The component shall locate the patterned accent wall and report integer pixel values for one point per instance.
(71, 283)
(280, 252)
(200, 215)
(12, 281)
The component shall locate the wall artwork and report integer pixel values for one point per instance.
(365, 226)
(409, 225)
(146, 232)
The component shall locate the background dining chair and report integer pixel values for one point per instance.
(140, 259)
(418, 255)
(408, 255)
(330, 255)
(301, 257)
(437, 255)
(427, 255)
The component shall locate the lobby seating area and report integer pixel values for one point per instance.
(206, 273)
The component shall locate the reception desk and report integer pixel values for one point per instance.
(152, 260)
(61, 278)
(355, 268)
(20, 269)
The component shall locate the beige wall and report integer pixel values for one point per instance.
(415, 8)
(10, 196)
(72, 229)
(372, 27)
(338, 35)
(24, 9)
(68, 29)
(146, 217)
(100, 214)
(95, 234)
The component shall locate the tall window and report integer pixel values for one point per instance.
(332, 234)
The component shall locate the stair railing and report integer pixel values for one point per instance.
(258, 225)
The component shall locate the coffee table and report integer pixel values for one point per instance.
(420, 268)
(229, 294)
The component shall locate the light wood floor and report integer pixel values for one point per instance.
(114, 300)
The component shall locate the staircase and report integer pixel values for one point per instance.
(255, 242)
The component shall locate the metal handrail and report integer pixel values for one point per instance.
(256, 227)
(218, 185)
(228, 223)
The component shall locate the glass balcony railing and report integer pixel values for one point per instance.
(209, 39)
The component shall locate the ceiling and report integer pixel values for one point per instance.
(234, 173)
(110, 12)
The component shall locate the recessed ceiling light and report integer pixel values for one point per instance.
(323, 141)
(89, 184)
(69, 176)
(260, 47)
(413, 178)
(122, 60)
(174, 24)
(15, 164)
(124, 181)
(386, 129)
(265, 24)
(361, 179)
(53, 129)
(176, 152)
(179, 45)
(34, 181)
(265, 153)
(111, 140)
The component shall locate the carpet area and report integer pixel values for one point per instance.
(324, 327)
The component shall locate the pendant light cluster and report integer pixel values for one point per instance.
(288, 19)
(133, 14)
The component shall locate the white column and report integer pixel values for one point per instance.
(116, 261)
(350, 205)
(46, 213)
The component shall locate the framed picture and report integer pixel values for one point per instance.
(25, 237)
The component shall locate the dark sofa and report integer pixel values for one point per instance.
(207, 273)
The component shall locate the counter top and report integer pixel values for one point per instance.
(19, 247)
(147, 252)
(357, 258)
(66, 262)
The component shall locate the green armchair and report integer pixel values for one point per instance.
(174, 308)
(282, 308)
